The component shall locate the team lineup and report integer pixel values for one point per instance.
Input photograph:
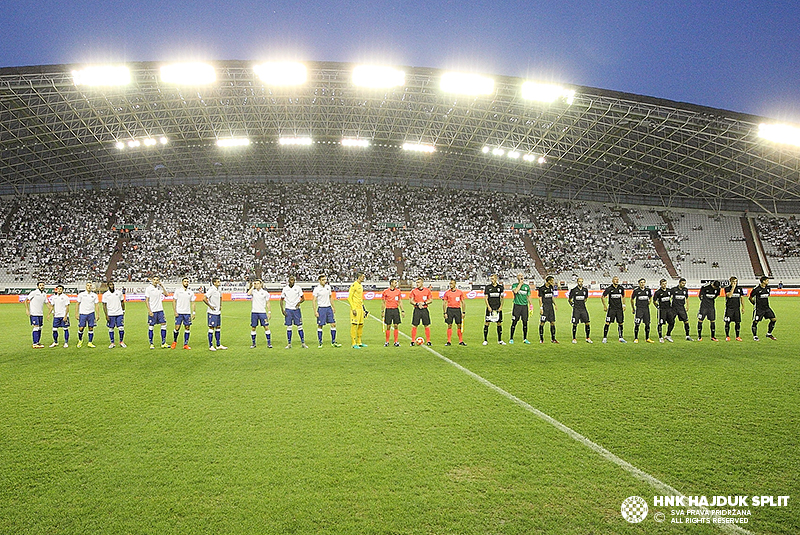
(670, 306)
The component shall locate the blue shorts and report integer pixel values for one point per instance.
(157, 318)
(116, 321)
(293, 317)
(186, 319)
(37, 320)
(85, 320)
(325, 316)
(258, 318)
(61, 323)
(214, 320)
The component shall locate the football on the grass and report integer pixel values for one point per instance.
(420, 340)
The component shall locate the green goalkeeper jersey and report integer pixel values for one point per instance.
(521, 297)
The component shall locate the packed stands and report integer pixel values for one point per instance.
(239, 231)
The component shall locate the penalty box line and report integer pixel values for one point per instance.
(639, 474)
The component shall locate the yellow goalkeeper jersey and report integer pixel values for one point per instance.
(355, 297)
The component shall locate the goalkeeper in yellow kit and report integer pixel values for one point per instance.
(355, 298)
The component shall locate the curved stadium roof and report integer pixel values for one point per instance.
(597, 145)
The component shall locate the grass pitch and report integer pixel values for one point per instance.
(389, 440)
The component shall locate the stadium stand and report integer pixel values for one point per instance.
(239, 231)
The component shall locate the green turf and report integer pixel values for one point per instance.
(388, 440)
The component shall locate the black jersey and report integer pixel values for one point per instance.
(679, 297)
(578, 297)
(708, 295)
(641, 297)
(546, 293)
(761, 297)
(494, 294)
(663, 299)
(733, 297)
(615, 296)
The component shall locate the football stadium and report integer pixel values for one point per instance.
(229, 292)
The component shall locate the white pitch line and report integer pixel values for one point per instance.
(639, 474)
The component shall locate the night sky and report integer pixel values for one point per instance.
(735, 55)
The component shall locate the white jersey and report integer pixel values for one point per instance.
(292, 296)
(113, 301)
(60, 303)
(260, 299)
(86, 302)
(37, 299)
(154, 298)
(323, 295)
(214, 296)
(184, 297)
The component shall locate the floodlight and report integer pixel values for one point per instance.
(149, 142)
(780, 133)
(377, 77)
(134, 143)
(363, 143)
(485, 150)
(120, 145)
(418, 147)
(466, 84)
(163, 140)
(548, 93)
(542, 160)
(233, 142)
(295, 141)
(498, 152)
(102, 75)
(513, 155)
(188, 74)
(529, 157)
(281, 73)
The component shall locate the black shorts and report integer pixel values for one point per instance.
(520, 312)
(453, 315)
(421, 315)
(580, 315)
(734, 316)
(665, 315)
(642, 315)
(709, 314)
(391, 316)
(615, 315)
(548, 314)
(763, 314)
(489, 311)
(680, 314)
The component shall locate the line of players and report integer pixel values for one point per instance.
(670, 305)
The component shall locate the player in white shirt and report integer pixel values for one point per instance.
(59, 308)
(114, 310)
(183, 304)
(34, 307)
(291, 297)
(322, 302)
(260, 311)
(213, 300)
(87, 313)
(153, 297)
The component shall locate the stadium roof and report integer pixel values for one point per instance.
(594, 145)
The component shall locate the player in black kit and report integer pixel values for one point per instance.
(493, 294)
(708, 295)
(640, 303)
(662, 300)
(759, 296)
(547, 309)
(680, 296)
(615, 308)
(734, 307)
(577, 300)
